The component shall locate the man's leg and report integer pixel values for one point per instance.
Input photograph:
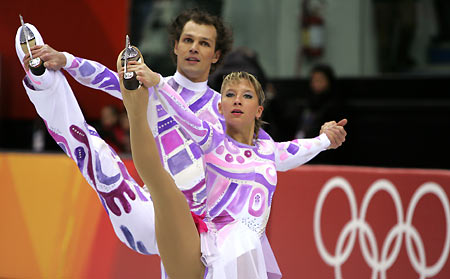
(130, 209)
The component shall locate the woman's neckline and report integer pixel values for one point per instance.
(240, 144)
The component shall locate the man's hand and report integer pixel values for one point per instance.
(53, 59)
(335, 132)
(143, 73)
(135, 101)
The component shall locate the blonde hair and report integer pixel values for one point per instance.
(238, 76)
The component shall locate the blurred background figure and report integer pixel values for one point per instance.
(439, 44)
(246, 59)
(239, 59)
(395, 28)
(322, 103)
(110, 128)
(139, 11)
(125, 125)
(39, 135)
(442, 10)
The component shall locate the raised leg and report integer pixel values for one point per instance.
(129, 208)
(176, 234)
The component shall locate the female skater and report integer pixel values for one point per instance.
(229, 241)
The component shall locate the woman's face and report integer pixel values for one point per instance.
(240, 105)
(319, 82)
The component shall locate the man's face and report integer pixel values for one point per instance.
(195, 51)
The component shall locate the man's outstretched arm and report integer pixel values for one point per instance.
(87, 72)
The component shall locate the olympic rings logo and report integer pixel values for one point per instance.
(381, 263)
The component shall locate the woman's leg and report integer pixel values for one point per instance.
(176, 234)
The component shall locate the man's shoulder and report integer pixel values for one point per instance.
(214, 91)
(167, 78)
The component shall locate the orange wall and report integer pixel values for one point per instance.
(89, 29)
(54, 226)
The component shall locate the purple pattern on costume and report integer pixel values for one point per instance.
(270, 156)
(60, 140)
(239, 199)
(94, 133)
(189, 127)
(124, 172)
(173, 84)
(128, 236)
(220, 149)
(75, 64)
(158, 145)
(171, 141)
(203, 141)
(62, 147)
(87, 69)
(166, 124)
(179, 162)
(141, 248)
(137, 246)
(160, 111)
(186, 94)
(233, 149)
(261, 179)
(224, 218)
(196, 193)
(224, 173)
(110, 80)
(240, 159)
(102, 178)
(224, 199)
(80, 136)
(257, 202)
(80, 155)
(29, 83)
(263, 135)
(139, 192)
(196, 151)
(119, 194)
(201, 102)
(293, 148)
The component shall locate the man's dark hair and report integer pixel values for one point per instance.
(224, 39)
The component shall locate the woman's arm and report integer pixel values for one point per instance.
(289, 155)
